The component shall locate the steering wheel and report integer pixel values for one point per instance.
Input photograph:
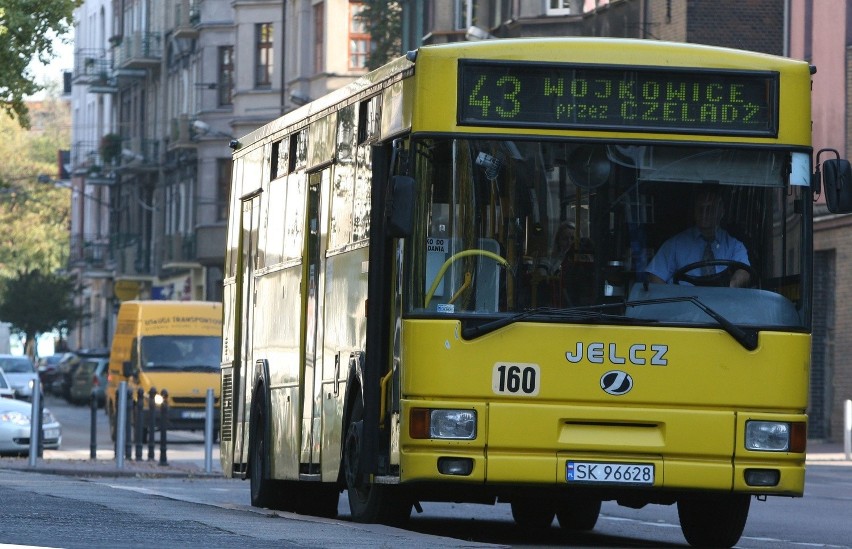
(716, 279)
(450, 260)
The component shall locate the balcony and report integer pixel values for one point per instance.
(90, 251)
(136, 53)
(182, 133)
(86, 158)
(94, 69)
(178, 248)
(187, 16)
(139, 155)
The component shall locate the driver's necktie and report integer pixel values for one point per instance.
(708, 270)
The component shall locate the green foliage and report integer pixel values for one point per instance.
(27, 28)
(34, 214)
(384, 20)
(36, 302)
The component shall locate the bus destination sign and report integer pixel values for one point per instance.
(644, 99)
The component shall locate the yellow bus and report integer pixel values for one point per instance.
(452, 280)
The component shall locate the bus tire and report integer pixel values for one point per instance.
(263, 489)
(368, 502)
(532, 514)
(713, 521)
(578, 514)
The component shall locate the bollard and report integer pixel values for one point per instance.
(152, 418)
(208, 432)
(120, 421)
(164, 426)
(93, 426)
(140, 397)
(35, 424)
(128, 418)
(847, 429)
(37, 389)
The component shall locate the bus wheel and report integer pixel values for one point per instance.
(715, 521)
(262, 488)
(369, 502)
(578, 514)
(532, 514)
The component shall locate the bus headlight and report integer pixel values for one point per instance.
(443, 424)
(767, 436)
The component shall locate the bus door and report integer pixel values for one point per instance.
(312, 306)
(245, 315)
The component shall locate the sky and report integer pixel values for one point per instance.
(63, 61)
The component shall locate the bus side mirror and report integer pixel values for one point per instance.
(837, 178)
(401, 207)
(127, 369)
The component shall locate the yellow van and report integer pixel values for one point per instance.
(171, 345)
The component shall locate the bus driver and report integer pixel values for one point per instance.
(705, 241)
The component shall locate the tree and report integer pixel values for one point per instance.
(27, 28)
(36, 302)
(34, 214)
(384, 20)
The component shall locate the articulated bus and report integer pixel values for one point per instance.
(438, 286)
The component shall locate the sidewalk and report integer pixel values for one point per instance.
(826, 453)
(179, 463)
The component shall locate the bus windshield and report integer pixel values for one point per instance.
(508, 226)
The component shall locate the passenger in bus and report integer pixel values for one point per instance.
(571, 267)
(705, 241)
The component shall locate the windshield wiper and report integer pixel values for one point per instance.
(746, 338)
(585, 313)
(199, 368)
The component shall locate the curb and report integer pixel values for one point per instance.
(81, 468)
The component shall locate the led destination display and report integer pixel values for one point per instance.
(629, 98)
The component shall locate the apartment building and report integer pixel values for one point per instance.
(162, 89)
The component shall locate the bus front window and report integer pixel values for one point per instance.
(510, 226)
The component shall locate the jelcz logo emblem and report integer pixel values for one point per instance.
(616, 382)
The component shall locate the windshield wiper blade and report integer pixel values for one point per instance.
(747, 338)
(592, 312)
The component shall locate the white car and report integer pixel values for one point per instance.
(15, 427)
(21, 373)
(6, 390)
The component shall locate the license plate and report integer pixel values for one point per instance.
(51, 433)
(192, 415)
(609, 473)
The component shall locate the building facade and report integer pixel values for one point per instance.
(161, 89)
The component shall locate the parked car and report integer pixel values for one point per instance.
(21, 373)
(15, 428)
(6, 390)
(48, 369)
(68, 365)
(91, 375)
